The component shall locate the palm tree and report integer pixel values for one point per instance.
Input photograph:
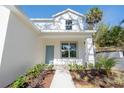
(101, 31)
(107, 63)
(93, 17)
(122, 22)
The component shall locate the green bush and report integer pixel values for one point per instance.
(98, 65)
(36, 70)
(90, 66)
(80, 67)
(71, 67)
(48, 66)
(31, 73)
(107, 36)
(19, 83)
(76, 67)
(107, 63)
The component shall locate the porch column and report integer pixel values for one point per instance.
(89, 50)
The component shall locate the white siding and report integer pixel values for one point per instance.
(4, 17)
(21, 50)
(77, 21)
(58, 23)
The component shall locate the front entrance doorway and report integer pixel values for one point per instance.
(49, 54)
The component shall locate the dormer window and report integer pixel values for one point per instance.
(68, 24)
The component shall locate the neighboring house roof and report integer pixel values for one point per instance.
(68, 10)
(109, 49)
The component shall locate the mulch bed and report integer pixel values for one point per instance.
(43, 81)
(48, 79)
(95, 79)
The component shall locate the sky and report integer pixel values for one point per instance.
(112, 15)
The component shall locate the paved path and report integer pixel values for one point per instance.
(62, 78)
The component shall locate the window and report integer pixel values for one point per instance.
(68, 24)
(68, 50)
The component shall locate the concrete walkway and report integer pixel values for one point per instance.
(62, 78)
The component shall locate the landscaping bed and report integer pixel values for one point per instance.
(98, 75)
(96, 79)
(40, 76)
(48, 79)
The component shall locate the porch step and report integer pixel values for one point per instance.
(62, 78)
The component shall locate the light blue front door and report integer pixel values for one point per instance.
(49, 54)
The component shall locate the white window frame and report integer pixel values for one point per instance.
(68, 25)
(69, 50)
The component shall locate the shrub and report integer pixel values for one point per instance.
(32, 73)
(36, 70)
(90, 66)
(70, 67)
(107, 63)
(80, 67)
(19, 83)
(48, 66)
(98, 65)
(76, 67)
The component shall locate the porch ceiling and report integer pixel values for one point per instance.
(65, 34)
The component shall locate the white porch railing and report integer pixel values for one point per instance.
(66, 61)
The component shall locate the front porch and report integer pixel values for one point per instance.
(67, 48)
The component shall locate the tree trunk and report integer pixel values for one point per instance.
(90, 27)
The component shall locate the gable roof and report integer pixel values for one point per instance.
(68, 10)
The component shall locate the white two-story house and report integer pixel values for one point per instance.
(24, 42)
(64, 38)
